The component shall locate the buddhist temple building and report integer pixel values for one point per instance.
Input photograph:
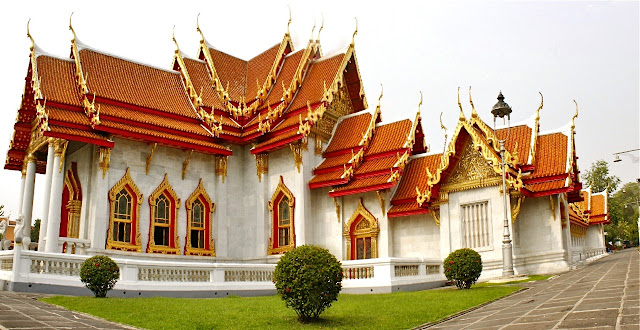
(197, 177)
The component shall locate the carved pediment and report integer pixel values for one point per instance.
(472, 171)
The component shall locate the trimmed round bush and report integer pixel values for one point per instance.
(99, 274)
(309, 279)
(463, 267)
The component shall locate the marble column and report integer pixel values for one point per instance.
(55, 200)
(21, 195)
(46, 197)
(27, 198)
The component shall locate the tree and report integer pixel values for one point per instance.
(598, 178)
(35, 231)
(623, 212)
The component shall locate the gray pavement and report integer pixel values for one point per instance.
(24, 311)
(603, 295)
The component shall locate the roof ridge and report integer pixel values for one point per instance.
(393, 122)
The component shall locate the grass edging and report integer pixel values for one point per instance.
(453, 316)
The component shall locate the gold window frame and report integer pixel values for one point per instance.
(281, 190)
(136, 202)
(75, 203)
(164, 189)
(362, 214)
(208, 218)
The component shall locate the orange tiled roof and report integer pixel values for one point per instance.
(326, 177)
(152, 119)
(368, 166)
(545, 186)
(365, 182)
(73, 132)
(389, 137)
(201, 81)
(522, 135)
(396, 210)
(349, 132)
(415, 174)
(132, 83)
(58, 82)
(169, 137)
(258, 69)
(288, 70)
(277, 138)
(551, 155)
(232, 72)
(68, 116)
(320, 74)
(334, 161)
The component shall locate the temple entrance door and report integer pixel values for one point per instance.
(71, 204)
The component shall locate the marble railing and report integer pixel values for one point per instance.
(140, 274)
(70, 245)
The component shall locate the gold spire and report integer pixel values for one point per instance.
(321, 27)
(380, 97)
(473, 109)
(76, 57)
(289, 22)
(198, 29)
(35, 80)
(173, 37)
(536, 130)
(33, 44)
(312, 29)
(71, 28)
(445, 133)
(419, 104)
(462, 117)
(353, 37)
(573, 119)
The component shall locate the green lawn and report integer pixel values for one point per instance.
(395, 310)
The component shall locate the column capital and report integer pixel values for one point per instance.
(31, 158)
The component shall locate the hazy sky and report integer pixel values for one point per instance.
(587, 51)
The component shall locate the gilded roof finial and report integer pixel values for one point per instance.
(312, 29)
(33, 43)
(198, 29)
(473, 109)
(420, 104)
(380, 97)
(321, 26)
(539, 108)
(445, 134)
(71, 28)
(460, 106)
(573, 119)
(353, 37)
(289, 22)
(173, 37)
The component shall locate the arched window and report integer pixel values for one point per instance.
(199, 223)
(361, 234)
(124, 229)
(163, 231)
(281, 207)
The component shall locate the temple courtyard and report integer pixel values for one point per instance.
(604, 294)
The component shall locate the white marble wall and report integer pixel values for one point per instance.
(416, 236)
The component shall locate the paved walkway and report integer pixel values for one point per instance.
(603, 295)
(23, 311)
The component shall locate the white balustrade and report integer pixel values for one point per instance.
(406, 270)
(173, 274)
(6, 261)
(357, 273)
(70, 245)
(248, 275)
